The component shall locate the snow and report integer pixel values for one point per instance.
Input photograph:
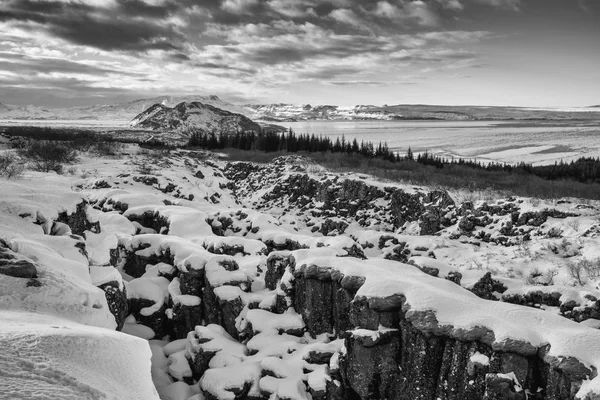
(175, 346)
(479, 358)
(176, 391)
(46, 356)
(147, 288)
(179, 367)
(138, 330)
(102, 275)
(52, 259)
(373, 334)
(69, 278)
(219, 382)
(267, 322)
(183, 299)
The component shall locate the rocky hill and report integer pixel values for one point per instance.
(285, 280)
(194, 115)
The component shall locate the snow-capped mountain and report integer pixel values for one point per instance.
(124, 111)
(295, 112)
(193, 115)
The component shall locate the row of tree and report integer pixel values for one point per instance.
(585, 169)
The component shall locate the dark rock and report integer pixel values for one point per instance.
(487, 286)
(501, 387)
(276, 265)
(184, 319)
(117, 301)
(16, 265)
(78, 221)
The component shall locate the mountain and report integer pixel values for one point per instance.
(193, 115)
(124, 111)
(292, 112)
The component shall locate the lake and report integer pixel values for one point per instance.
(538, 142)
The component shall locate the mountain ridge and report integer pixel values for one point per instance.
(286, 112)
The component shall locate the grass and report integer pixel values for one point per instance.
(451, 177)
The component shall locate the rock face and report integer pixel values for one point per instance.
(193, 115)
(404, 362)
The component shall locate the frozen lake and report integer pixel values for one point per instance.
(539, 142)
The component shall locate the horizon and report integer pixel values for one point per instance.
(117, 101)
(472, 53)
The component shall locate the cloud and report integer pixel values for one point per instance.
(346, 16)
(239, 6)
(258, 47)
(513, 5)
(293, 8)
(131, 25)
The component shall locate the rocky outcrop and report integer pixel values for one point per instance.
(15, 265)
(194, 116)
(345, 199)
(393, 355)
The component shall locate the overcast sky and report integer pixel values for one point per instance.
(483, 52)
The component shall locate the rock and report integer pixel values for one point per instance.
(185, 318)
(15, 265)
(78, 221)
(370, 367)
(276, 265)
(501, 387)
(487, 286)
(117, 301)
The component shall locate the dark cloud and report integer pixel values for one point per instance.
(27, 65)
(106, 28)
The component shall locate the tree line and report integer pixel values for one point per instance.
(584, 169)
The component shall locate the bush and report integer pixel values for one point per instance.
(49, 155)
(104, 148)
(10, 167)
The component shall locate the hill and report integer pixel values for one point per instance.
(194, 115)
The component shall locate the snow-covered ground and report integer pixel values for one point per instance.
(176, 230)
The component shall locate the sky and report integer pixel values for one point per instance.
(533, 53)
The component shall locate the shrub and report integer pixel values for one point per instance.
(576, 271)
(49, 155)
(105, 148)
(10, 167)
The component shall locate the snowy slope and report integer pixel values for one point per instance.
(44, 356)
